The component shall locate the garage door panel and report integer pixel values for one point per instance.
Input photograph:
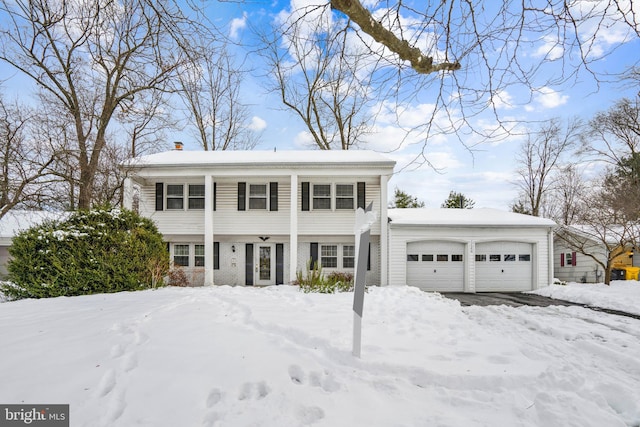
(503, 266)
(436, 265)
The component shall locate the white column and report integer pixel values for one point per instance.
(293, 228)
(384, 232)
(208, 230)
(127, 194)
(550, 265)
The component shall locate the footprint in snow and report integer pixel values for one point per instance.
(256, 391)
(324, 380)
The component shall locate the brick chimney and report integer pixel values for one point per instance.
(178, 145)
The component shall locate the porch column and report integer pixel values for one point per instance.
(208, 230)
(384, 232)
(127, 194)
(293, 228)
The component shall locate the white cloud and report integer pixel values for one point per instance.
(257, 124)
(552, 49)
(547, 98)
(236, 25)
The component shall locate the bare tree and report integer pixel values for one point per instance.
(565, 199)
(321, 77)
(539, 159)
(25, 160)
(210, 90)
(603, 231)
(88, 58)
(463, 56)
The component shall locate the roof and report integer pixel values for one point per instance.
(267, 158)
(15, 221)
(465, 217)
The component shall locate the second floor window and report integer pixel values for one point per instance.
(175, 196)
(257, 196)
(344, 196)
(196, 196)
(322, 196)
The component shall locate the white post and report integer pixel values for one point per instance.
(384, 232)
(127, 194)
(293, 229)
(208, 230)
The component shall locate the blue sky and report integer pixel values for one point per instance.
(486, 172)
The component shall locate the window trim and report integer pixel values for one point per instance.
(193, 198)
(174, 197)
(324, 256)
(339, 197)
(263, 198)
(351, 257)
(328, 197)
(181, 255)
(197, 257)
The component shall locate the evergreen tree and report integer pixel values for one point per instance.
(402, 199)
(458, 201)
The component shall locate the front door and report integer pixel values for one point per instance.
(265, 265)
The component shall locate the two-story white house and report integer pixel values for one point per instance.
(258, 217)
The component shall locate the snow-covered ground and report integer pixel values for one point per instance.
(623, 295)
(277, 357)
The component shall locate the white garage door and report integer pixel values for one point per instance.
(436, 265)
(504, 266)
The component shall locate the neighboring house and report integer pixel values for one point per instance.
(258, 218)
(469, 250)
(581, 254)
(12, 223)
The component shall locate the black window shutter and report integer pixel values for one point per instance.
(159, 196)
(242, 196)
(279, 263)
(248, 264)
(273, 196)
(314, 254)
(216, 255)
(215, 195)
(369, 258)
(305, 196)
(362, 195)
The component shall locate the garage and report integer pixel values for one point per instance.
(436, 265)
(469, 250)
(504, 266)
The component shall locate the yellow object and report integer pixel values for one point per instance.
(632, 272)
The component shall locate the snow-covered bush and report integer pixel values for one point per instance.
(105, 250)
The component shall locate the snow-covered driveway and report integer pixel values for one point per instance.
(277, 357)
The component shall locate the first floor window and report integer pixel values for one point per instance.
(568, 259)
(181, 255)
(198, 260)
(348, 256)
(329, 256)
(196, 196)
(175, 196)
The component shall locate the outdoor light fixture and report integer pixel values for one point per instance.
(233, 248)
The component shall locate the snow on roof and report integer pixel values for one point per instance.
(15, 221)
(303, 157)
(465, 217)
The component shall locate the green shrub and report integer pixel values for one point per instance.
(106, 250)
(315, 281)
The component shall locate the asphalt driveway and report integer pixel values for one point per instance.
(518, 299)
